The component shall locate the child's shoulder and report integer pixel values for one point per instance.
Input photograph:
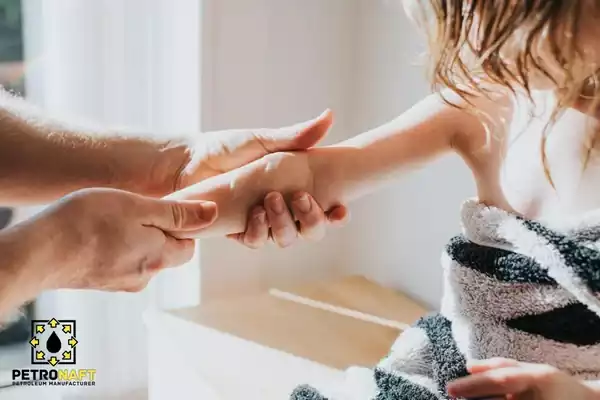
(500, 114)
(483, 118)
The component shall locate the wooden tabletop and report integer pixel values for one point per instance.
(319, 335)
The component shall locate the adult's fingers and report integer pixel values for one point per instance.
(174, 216)
(310, 216)
(283, 227)
(171, 253)
(338, 215)
(257, 229)
(297, 137)
(227, 150)
(254, 144)
(311, 225)
(176, 252)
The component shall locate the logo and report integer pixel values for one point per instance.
(54, 342)
(54, 345)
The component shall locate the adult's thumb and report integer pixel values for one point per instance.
(184, 215)
(300, 136)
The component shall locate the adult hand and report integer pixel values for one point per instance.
(509, 379)
(273, 220)
(44, 159)
(111, 240)
(215, 153)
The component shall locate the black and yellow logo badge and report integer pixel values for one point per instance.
(53, 342)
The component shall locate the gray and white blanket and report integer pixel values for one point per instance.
(514, 288)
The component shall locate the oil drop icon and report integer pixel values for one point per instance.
(53, 345)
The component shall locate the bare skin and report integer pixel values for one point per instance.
(513, 380)
(42, 159)
(103, 239)
(111, 238)
(503, 153)
(507, 166)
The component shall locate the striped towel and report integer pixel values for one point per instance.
(514, 288)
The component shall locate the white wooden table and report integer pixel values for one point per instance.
(261, 347)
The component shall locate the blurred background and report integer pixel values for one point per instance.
(14, 337)
(189, 66)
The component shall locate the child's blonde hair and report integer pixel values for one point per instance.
(467, 40)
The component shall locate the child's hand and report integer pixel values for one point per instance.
(508, 379)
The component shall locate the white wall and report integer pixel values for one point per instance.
(272, 62)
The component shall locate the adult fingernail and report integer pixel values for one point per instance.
(277, 204)
(208, 211)
(303, 203)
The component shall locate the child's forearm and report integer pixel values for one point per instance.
(373, 159)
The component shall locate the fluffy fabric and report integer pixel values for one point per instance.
(513, 288)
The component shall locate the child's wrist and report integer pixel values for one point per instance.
(331, 167)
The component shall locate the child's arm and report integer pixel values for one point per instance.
(428, 130)
(342, 172)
